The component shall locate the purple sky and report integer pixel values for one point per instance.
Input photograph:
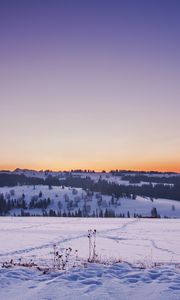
(90, 84)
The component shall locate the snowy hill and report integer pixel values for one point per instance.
(45, 200)
(116, 177)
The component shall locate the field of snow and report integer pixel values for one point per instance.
(136, 244)
(72, 199)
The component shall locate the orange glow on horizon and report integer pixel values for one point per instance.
(77, 94)
(159, 167)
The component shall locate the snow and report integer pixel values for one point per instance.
(95, 176)
(138, 244)
(141, 205)
(95, 282)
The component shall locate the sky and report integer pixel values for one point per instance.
(91, 84)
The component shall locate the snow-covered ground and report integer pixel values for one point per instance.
(135, 243)
(70, 199)
(95, 176)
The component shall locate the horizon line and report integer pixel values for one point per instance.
(86, 170)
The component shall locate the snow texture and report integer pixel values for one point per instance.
(138, 244)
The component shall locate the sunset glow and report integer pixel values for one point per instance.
(90, 85)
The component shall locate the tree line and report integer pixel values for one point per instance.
(110, 188)
(103, 186)
(150, 179)
(7, 205)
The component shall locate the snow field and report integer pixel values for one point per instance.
(138, 243)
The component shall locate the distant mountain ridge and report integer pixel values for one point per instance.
(119, 183)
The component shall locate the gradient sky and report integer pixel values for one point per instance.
(90, 84)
